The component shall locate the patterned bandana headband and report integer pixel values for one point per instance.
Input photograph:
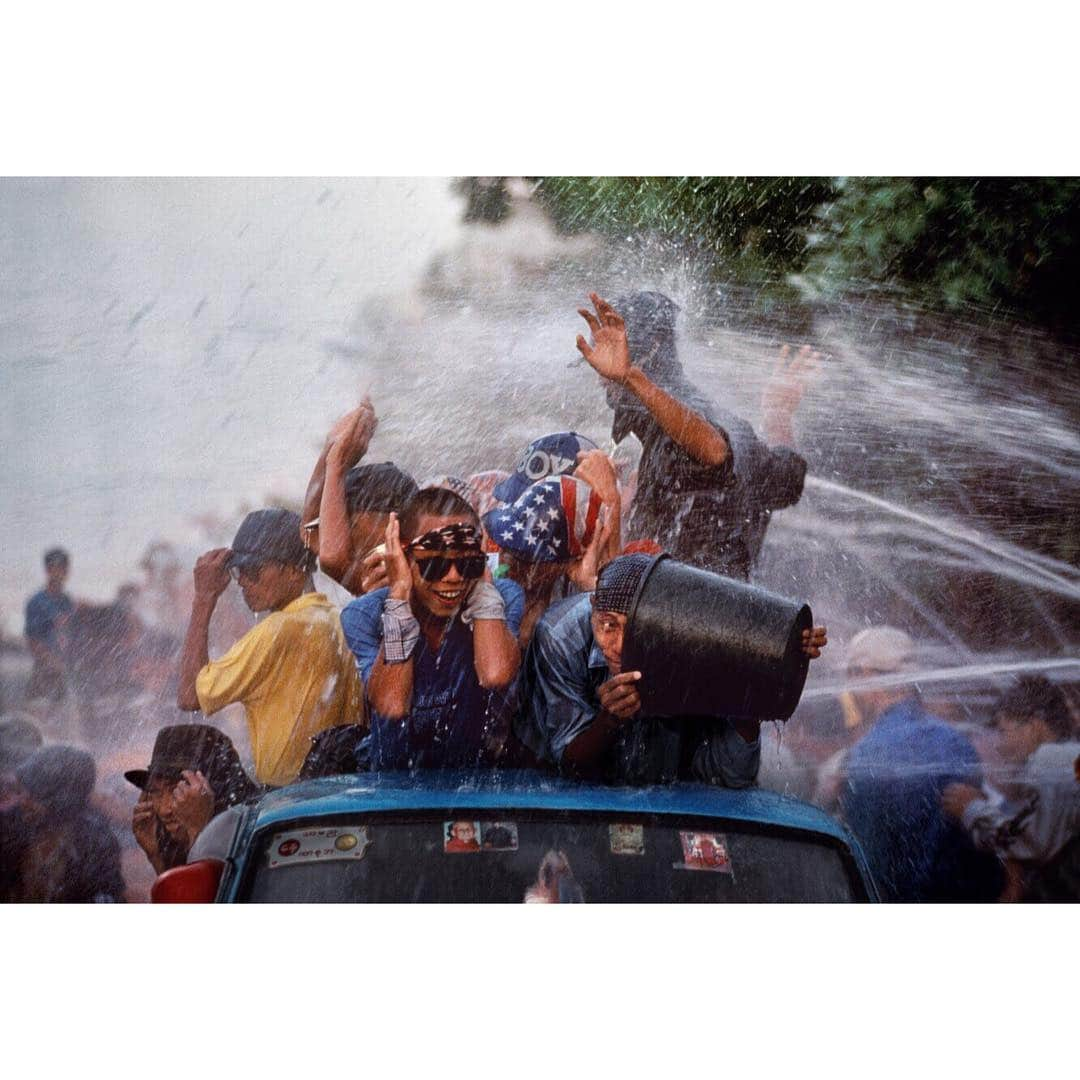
(455, 537)
(618, 582)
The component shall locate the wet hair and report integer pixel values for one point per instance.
(57, 556)
(377, 489)
(437, 502)
(1035, 697)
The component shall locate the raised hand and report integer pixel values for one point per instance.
(212, 573)
(785, 390)
(398, 571)
(373, 574)
(596, 469)
(956, 798)
(193, 802)
(619, 696)
(144, 827)
(609, 354)
(813, 641)
(583, 571)
(349, 437)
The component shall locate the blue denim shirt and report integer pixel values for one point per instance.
(42, 611)
(560, 680)
(452, 715)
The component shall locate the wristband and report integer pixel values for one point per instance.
(484, 602)
(401, 631)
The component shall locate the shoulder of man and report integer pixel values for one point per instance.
(365, 610)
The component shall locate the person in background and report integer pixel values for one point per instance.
(46, 612)
(581, 712)
(551, 536)
(892, 780)
(292, 671)
(1037, 828)
(19, 738)
(438, 647)
(194, 774)
(55, 848)
(347, 505)
(706, 485)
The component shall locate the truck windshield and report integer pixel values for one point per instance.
(467, 856)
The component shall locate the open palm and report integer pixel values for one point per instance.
(609, 354)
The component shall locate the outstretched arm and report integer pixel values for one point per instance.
(609, 356)
(345, 446)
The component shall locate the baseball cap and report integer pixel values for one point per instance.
(550, 455)
(880, 649)
(271, 535)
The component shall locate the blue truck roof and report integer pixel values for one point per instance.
(525, 790)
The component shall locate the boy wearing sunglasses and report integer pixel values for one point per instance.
(437, 648)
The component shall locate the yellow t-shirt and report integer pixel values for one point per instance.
(295, 675)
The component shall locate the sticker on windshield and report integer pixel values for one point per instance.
(626, 839)
(318, 845)
(704, 851)
(460, 837)
(498, 836)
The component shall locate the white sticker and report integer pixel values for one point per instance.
(318, 845)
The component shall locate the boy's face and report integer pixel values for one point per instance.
(1018, 736)
(443, 597)
(464, 832)
(56, 573)
(269, 586)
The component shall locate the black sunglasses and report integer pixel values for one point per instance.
(437, 567)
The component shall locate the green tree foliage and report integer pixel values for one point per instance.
(955, 241)
(1002, 242)
(755, 226)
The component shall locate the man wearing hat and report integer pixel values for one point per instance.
(894, 776)
(582, 713)
(706, 485)
(194, 774)
(293, 671)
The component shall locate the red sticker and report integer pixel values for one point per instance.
(704, 851)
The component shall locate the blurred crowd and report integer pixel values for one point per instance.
(479, 622)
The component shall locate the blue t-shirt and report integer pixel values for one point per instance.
(42, 611)
(452, 714)
(891, 800)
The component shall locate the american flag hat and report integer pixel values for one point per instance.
(553, 520)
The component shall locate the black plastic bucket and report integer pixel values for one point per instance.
(707, 645)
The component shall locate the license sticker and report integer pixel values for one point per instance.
(498, 836)
(704, 851)
(626, 839)
(461, 837)
(318, 845)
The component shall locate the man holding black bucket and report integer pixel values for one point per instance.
(582, 713)
(706, 484)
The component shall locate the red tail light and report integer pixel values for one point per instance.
(196, 883)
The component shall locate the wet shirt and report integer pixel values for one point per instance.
(452, 717)
(891, 799)
(295, 677)
(559, 695)
(42, 611)
(712, 517)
